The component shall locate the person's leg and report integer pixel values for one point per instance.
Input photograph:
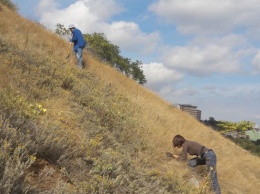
(196, 162)
(79, 57)
(211, 165)
(193, 162)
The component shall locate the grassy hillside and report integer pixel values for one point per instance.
(65, 130)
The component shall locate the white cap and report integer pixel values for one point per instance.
(71, 26)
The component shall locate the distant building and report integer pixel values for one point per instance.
(192, 110)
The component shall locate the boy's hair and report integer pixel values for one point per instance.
(178, 140)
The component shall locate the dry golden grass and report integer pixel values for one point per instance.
(238, 170)
(158, 121)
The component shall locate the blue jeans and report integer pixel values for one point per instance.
(78, 53)
(211, 160)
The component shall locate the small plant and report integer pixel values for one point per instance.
(15, 159)
(68, 83)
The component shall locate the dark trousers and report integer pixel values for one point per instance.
(210, 160)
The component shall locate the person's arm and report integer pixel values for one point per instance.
(172, 156)
(183, 155)
(74, 36)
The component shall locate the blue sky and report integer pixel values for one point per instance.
(199, 52)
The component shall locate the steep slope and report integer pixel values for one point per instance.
(65, 130)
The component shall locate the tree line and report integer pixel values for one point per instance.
(239, 127)
(228, 126)
(108, 53)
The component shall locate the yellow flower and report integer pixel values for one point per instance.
(33, 158)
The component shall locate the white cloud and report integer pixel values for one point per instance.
(208, 16)
(202, 60)
(129, 36)
(103, 9)
(186, 92)
(156, 73)
(46, 6)
(74, 14)
(245, 91)
(228, 40)
(178, 95)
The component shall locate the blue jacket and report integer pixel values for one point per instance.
(77, 39)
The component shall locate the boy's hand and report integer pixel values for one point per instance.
(172, 156)
(169, 155)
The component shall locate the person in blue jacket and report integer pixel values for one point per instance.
(79, 43)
